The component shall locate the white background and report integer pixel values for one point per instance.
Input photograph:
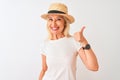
(22, 29)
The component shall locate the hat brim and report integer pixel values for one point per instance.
(68, 17)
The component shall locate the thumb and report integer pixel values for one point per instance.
(82, 29)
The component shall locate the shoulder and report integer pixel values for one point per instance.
(71, 38)
(43, 42)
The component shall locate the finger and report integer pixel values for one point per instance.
(82, 29)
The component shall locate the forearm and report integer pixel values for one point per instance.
(90, 59)
(41, 74)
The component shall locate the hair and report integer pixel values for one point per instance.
(65, 31)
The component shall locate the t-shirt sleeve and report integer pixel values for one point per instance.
(42, 48)
(78, 46)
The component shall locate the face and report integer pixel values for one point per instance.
(55, 24)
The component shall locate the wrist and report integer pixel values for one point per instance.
(86, 47)
(84, 43)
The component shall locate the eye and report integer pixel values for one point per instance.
(50, 19)
(59, 19)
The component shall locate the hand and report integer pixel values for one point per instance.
(80, 37)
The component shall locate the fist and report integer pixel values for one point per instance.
(79, 35)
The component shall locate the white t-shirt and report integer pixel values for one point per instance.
(61, 56)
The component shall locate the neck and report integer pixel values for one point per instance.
(57, 36)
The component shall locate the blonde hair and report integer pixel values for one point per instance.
(65, 32)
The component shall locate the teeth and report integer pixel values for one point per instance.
(55, 28)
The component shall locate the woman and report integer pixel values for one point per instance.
(59, 52)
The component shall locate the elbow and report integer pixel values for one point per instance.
(93, 68)
(44, 68)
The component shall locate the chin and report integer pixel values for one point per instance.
(54, 32)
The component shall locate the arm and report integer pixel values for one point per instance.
(87, 56)
(44, 67)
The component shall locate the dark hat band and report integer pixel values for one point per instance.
(55, 11)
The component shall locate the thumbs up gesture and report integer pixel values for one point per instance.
(80, 37)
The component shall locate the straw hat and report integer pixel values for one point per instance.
(59, 9)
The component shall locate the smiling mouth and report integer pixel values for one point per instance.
(54, 28)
